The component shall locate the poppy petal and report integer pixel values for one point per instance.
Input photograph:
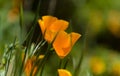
(74, 37)
(48, 20)
(63, 72)
(59, 25)
(42, 26)
(45, 22)
(64, 42)
(61, 44)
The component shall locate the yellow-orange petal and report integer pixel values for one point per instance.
(49, 35)
(74, 37)
(41, 56)
(29, 65)
(45, 22)
(64, 42)
(54, 28)
(42, 26)
(63, 72)
(59, 25)
(48, 20)
(50, 26)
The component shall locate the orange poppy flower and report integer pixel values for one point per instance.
(64, 42)
(29, 66)
(50, 26)
(63, 72)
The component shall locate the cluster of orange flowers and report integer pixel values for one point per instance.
(53, 30)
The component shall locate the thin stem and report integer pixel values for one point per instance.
(42, 68)
(21, 20)
(60, 64)
(43, 65)
(66, 63)
(21, 68)
(40, 48)
(39, 45)
(77, 70)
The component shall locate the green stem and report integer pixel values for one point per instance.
(21, 20)
(66, 63)
(40, 44)
(77, 70)
(60, 64)
(43, 65)
(21, 68)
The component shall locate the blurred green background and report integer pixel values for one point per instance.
(98, 21)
